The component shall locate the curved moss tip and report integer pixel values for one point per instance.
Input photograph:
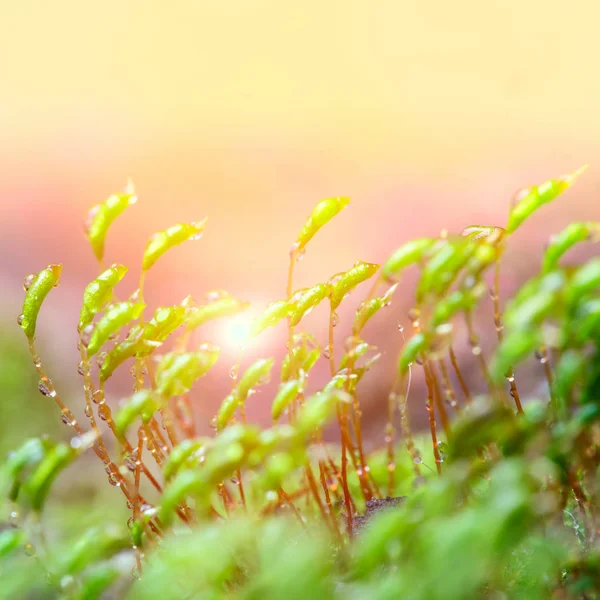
(570, 178)
(56, 270)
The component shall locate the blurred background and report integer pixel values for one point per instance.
(429, 115)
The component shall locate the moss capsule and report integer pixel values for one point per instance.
(39, 288)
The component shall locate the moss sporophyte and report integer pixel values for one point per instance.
(498, 484)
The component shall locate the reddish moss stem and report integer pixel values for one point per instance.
(432, 428)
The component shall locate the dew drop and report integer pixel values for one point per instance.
(80, 368)
(520, 195)
(335, 319)
(14, 518)
(97, 396)
(233, 372)
(101, 358)
(235, 481)
(417, 460)
(28, 281)
(68, 584)
(476, 350)
(400, 327)
(112, 480)
(414, 315)
(104, 411)
(391, 467)
(90, 217)
(20, 320)
(66, 420)
(300, 254)
(131, 460)
(29, 550)
(88, 412)
(45, 387)
(148, 510)
(86, 335)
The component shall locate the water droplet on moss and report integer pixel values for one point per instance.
(86, 334)
(28, 281)
(104, 411)
(414, 315)
(45, 387)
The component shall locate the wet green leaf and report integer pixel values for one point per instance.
(319, 409)
(177, 372)
(530, 199)
(360, 272)
(256, 374)
(537, 300)
(561, 243)
(323, 212)
(405, 256)
(182, 452)
(460, 300)
(166, 320)
(99, 292)
(305, 352)
(367, 310)
(38, 483)
(39, 287)
(11, 540)
(417, 345)
(271, 316)
(444, 266)
(489, 234)
(307, 300)
(142, 404)
(167, 239)
(134, 345)
(116, 316)
(98, 579)
(97, 543)
(287, 393)
(585, 280)
(227, 410)
(231, 450)
(223, 307)
(515, 347)
(102, 216)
